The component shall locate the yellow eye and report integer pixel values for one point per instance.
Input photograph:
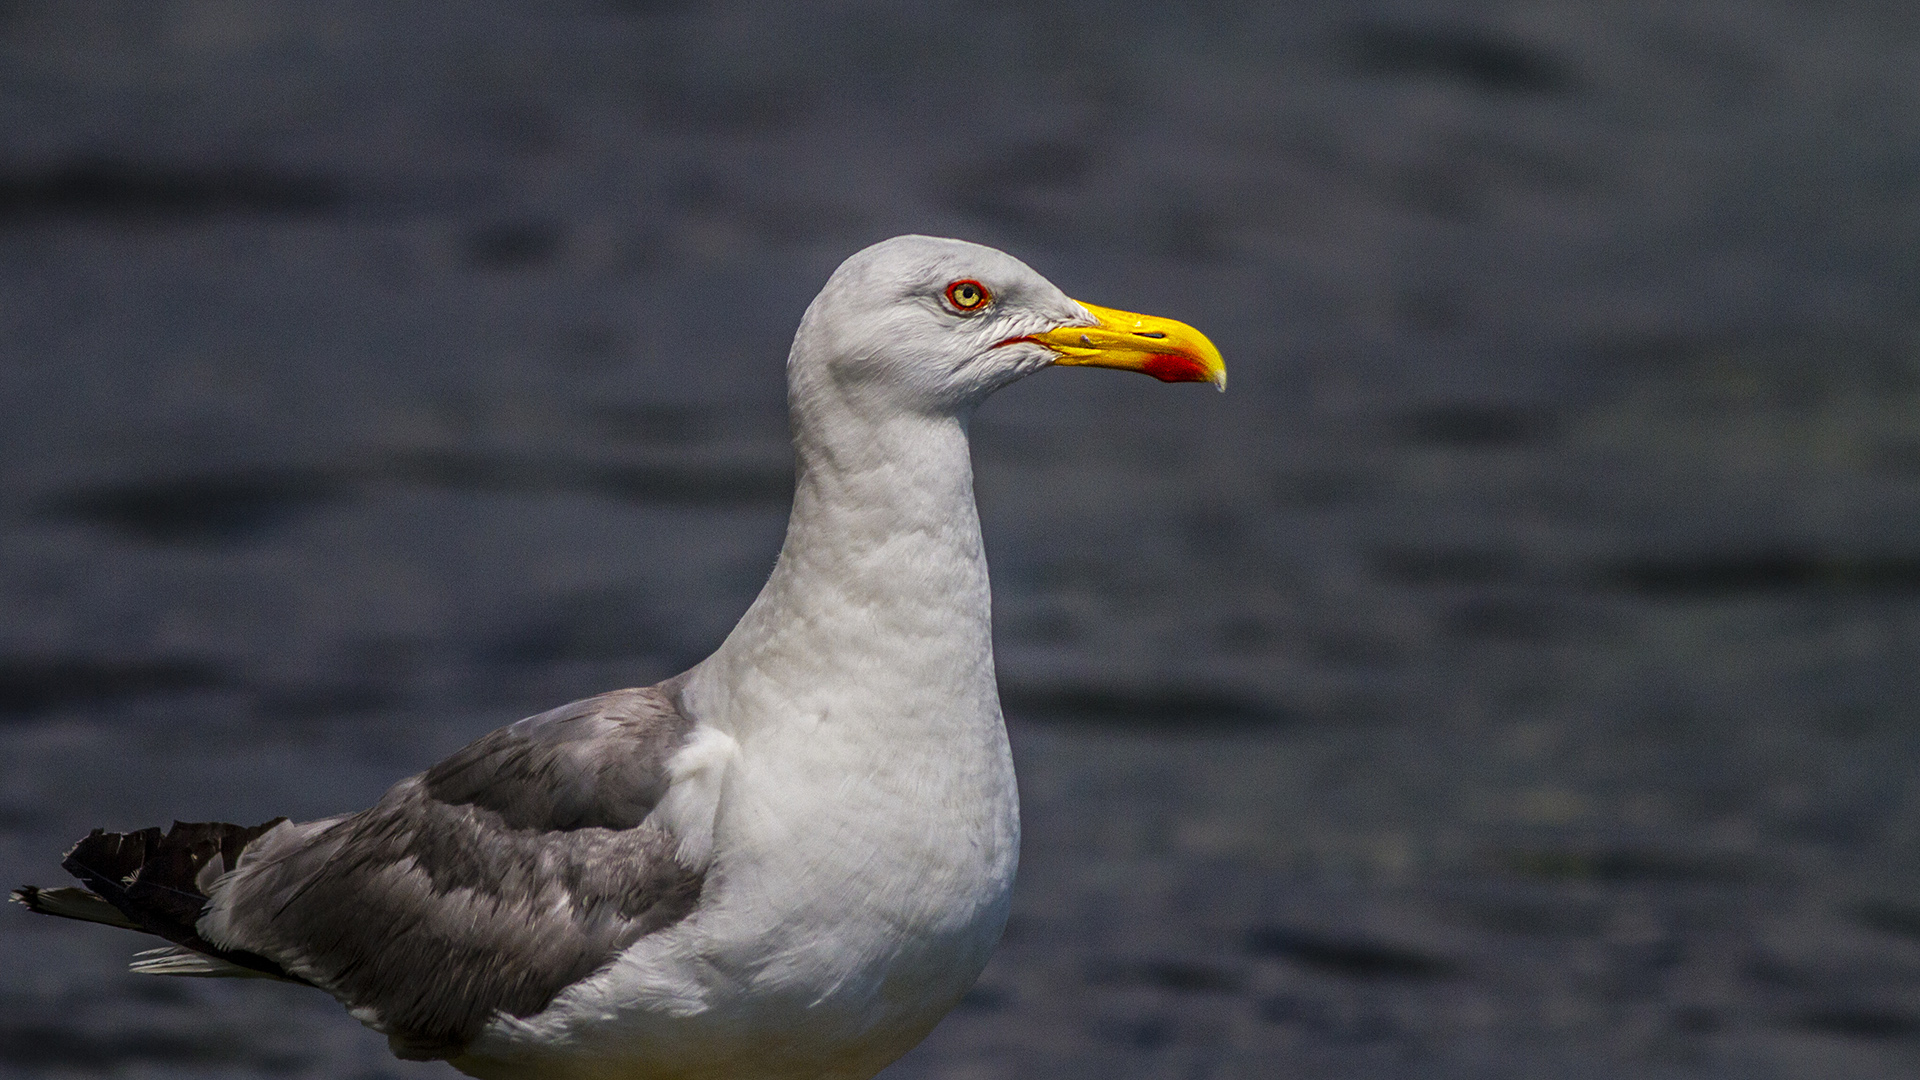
(968, 295)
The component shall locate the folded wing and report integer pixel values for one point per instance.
(485, 885)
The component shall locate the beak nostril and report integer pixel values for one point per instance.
(1151, 334)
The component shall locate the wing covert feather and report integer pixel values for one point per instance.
(487, 884)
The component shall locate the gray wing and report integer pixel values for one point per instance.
(485, 885)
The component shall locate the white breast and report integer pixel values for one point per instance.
(849, 907)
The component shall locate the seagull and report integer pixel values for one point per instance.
(785, 863)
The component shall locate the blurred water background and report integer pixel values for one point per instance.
(1513, 676)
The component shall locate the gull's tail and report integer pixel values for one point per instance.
(157, 883)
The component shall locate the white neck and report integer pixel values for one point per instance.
(878, 610)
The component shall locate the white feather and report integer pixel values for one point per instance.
(697, 773)
(173, 960)
(850, 788)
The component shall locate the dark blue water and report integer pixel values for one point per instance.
(1511, 677)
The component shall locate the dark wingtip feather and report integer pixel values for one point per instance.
(154, 877)
(115, 856)
(152, 880)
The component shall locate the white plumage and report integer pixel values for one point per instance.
(833, 784)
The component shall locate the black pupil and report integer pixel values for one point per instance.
(967, 295)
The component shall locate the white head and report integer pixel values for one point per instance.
(933, 326)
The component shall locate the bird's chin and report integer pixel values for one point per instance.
(995, 370)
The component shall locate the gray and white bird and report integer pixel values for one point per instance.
(786, 862)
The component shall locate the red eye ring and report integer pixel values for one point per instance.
(968, 295)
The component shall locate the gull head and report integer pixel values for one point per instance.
(934, 326)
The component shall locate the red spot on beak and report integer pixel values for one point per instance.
(1168, 367)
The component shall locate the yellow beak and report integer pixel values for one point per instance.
(1167, 350)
